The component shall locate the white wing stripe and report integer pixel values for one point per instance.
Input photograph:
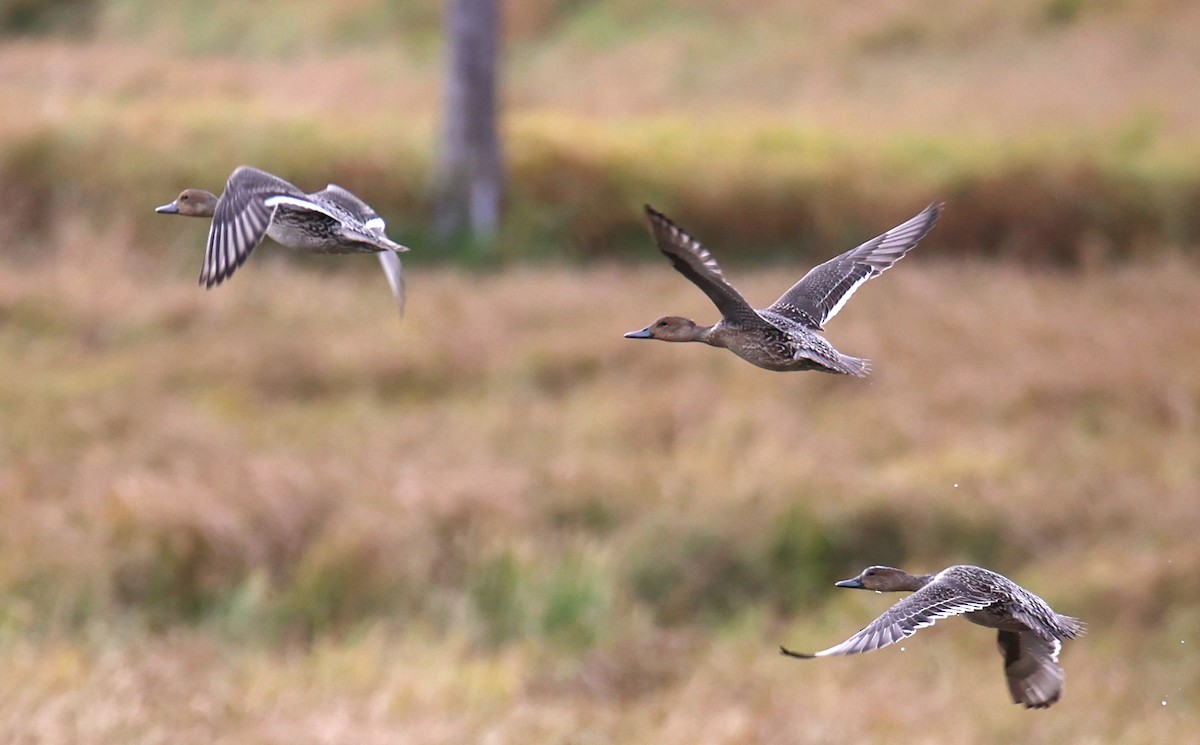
(241, 239)
(229, 249)
(846, 296)
(303, 204)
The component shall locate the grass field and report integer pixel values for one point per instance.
(275, 513)
(272, 512)
(1062, 131)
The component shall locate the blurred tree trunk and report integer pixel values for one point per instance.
(471, 170)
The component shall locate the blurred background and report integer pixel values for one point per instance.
(274, 513)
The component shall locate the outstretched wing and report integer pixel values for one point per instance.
(693, 260)
(1035, 679)
(821, 293)
(241, 219)
(923, 608)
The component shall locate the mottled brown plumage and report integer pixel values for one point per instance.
(256, 204)
(782, 337)
(1030, 632)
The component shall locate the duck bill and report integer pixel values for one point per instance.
(167, 209)
(853, 584)
(643, 334)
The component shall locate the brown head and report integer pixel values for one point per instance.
(670, 328)
(886, 579)
(192, 203)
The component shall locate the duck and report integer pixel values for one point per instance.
(1030, 632)
(783, 337)
(257, 204)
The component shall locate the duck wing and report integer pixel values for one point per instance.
(691, 259)
(357, 220)
(390, 261)
(1033, 613)
(821, 293)
(368, 220)
(241, 219)
(355, 207)
(1035, 679)
(924, 607)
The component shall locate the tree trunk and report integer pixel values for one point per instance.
(470, 177)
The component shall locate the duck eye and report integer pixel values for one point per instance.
(183, 197)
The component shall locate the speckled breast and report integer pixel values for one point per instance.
(303, 231)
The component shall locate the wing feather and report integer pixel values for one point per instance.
(923, 608)
(822, 292)
(241, 219)
(1031, 668)
(390, 261)
(691, 259)
(351, 203)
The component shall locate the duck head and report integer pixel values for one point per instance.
(884, 579)
(670, 328)
(192, 203)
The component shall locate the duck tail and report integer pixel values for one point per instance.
(1072, 627)
(856, 366)
(388, 244)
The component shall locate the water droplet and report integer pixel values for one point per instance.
(956, 486)
(1164, 703)
(902, 649)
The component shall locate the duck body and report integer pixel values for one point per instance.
(299, 230)
(786, 336)
(256, 205)
(1030, 632)
(782, 346)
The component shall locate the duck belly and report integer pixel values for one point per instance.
(302, 230)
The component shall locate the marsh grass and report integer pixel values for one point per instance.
(769, 134)
(308, 506)
(576, 188)
(274, 513)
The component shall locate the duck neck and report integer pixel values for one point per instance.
(914, 582)
(713, 335)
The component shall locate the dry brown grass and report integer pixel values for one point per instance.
(870, 68)
(271, 513)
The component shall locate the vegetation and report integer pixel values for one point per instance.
(273, 513)
(781, 152)
(579, 533)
